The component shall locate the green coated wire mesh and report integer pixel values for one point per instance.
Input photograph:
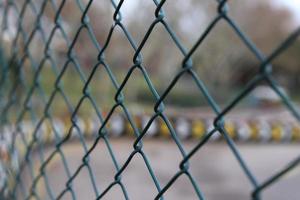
(22, 90)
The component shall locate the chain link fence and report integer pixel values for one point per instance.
(22, 90)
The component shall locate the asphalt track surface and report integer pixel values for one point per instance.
(214, 167)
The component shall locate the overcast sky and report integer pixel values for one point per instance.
(294, 5)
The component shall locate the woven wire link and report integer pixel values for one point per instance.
(24, 106)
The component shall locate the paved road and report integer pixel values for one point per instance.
(214, 168)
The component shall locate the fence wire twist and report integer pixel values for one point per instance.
(23, 106)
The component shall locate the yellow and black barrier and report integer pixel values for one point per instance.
(257, 130)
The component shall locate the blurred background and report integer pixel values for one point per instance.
(222, 62)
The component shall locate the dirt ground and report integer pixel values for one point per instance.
(214, 168)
